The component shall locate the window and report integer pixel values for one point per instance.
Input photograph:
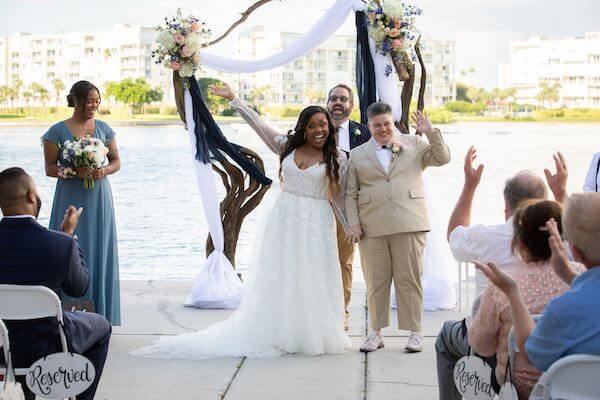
(50, 53)
(89, 51)
(594, 58)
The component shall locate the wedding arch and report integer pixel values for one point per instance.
(241, 170)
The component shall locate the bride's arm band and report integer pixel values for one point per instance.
(274, 140)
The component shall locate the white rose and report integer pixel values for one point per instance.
(186, 70)
(377, 35)
(393, 9)
(193, 42)
(166, 39)
(78, 152)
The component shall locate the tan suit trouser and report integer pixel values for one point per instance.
(397, 257)
(346, 253)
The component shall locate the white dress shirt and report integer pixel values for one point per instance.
(384, 156)
(484, 243)
(343, 132)
(19, 216)
(592, 179)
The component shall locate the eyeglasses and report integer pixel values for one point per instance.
(342, 99)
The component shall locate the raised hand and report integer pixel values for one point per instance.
(558, 182)
(501, 279)
(472, 175)
(559, 259)
(224, 91)
(71, 219)
(421, 123)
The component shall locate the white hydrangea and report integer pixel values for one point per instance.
(377, 34)
(193, 42)
(166, 39)
(186, 70)
(393, 9)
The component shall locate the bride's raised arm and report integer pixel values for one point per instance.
(274, 139)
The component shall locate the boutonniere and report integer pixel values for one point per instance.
(357, 132)
(396, 148)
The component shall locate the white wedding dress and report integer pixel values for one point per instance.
(293, 303)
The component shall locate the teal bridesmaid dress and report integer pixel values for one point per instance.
(96, 231)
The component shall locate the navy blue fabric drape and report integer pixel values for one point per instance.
(210, 141)
(365, 71)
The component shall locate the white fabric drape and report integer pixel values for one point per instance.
(388, 87)
(217, 285)
(320, 32)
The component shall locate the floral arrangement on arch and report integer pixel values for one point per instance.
(392, 27)
(179, 42)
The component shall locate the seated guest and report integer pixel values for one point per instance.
(34, 255)
(486, 242)
(488, 332)
(569, 323)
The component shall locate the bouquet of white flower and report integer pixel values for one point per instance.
(179, 42)
(82, 153)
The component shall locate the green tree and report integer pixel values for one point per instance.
(133, 93)
(27, 96)
(259, 95)
(478, 95)
(461, 92)
(314, 96)
(4, 94)
(550, 94)
(15, 92)
(214, 103)
(59, 86)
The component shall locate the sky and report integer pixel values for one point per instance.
(482, 29)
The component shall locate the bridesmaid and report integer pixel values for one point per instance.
(96, 231)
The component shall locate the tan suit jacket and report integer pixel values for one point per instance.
(390, 202)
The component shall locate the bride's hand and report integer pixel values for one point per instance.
(224, 91)
(354, 234)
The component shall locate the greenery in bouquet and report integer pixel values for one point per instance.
(391, 25)
(179, 41)
(88, 153)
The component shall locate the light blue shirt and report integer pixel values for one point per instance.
(570, 323)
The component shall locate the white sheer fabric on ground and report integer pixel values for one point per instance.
(217, 285)
(326, 26)
(293, 300)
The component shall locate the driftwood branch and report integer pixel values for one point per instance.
(244, 17)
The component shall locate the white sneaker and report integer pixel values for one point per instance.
(415, 343)
(373, 342)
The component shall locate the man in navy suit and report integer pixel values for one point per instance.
(351, 134)
(34, 255)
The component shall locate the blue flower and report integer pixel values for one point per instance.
(388, 70)
(386, 46)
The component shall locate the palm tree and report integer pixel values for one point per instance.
(16, 86)
(27, 95)
(44, 97)
(59, 86)
(549, 94)
(4, 95)
(259, 95)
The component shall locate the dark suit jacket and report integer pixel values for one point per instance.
(31, 254)
(357, 140)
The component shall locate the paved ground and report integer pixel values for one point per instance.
(155, 308)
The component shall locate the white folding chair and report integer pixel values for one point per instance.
(20, 302)
(464, 280)
(573, 377)
(6, 369)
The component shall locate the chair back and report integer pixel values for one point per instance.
(573, 377)
(20, 302)
(6, 368)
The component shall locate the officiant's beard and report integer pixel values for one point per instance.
(336, 115)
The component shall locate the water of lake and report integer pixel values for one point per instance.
(160, 222)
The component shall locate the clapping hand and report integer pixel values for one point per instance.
(501, 279)
(559, 259)
(472, 175)
(224, 91)
(558, 182)
(354, 234)
(71, 219)
(421, 123)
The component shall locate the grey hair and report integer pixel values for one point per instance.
(581, 223)
(524, 186)
(378, 108)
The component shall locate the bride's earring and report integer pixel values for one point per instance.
(304, 135)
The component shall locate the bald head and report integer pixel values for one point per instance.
(525, 185)
(581, 224)
(18, 193)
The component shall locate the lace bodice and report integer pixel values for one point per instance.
(309, 182)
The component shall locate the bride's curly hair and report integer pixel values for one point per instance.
(296, 138)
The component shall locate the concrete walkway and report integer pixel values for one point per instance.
(155, 308)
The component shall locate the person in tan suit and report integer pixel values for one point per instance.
(386, 212)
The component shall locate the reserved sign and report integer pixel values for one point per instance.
(473, 379)
(60, 375)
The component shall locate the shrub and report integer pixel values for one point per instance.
(459, 106)
(168, 110)
(228, 112)
(439, 116)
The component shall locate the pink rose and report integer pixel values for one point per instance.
(397, 23)
(196, 58)
(394, 32)
(186, 51)
(372, 15)
(179, 38)
(397, 43)
(175, 66)
(195, 26)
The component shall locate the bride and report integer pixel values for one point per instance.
(295, 302)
